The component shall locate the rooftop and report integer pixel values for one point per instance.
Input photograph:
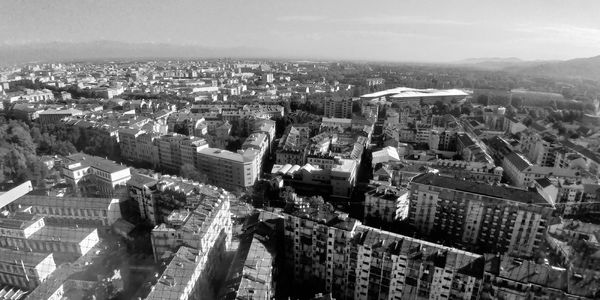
(66, 202)
(501, 192)
(63, 234)
(17, 256)
(251, 272)
(99, 163)
(444, 257)
(177, 276)
(518, 160)
(18, 220)
(526, 271)
(405, 92)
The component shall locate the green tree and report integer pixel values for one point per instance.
(517, 102)
(190, 172)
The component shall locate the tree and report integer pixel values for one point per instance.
(533, 113)
(181, 128)
(190, 172)
(517, 102)
(483, 99)
(456, 111)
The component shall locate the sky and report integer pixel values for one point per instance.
(397, 30)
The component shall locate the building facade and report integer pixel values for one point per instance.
(490, 218)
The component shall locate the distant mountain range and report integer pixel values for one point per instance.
(62, 51)
(494, 63)
(583, 68)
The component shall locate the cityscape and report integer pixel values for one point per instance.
(199, 154)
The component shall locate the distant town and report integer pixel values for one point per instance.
(274, 179)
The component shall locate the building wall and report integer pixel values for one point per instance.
(26, 276)
(491, 223)
(340, 262)
(227, 173)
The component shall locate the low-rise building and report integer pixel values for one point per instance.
(71, 211)
(102, 174)
(54, 116)
(29, 232)
(25, 269)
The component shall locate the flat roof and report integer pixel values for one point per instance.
(502, 192)
(228, 155)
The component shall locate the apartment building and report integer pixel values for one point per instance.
(251, 273)
(260, 142)
(267, 127)
(158, 196)
(199, 240)
(230, 170)
(545, 150)
(514, 164)
(138, 145)
(471, 149)
(198, 228)
(375, 81)
(489, 218)
(102, 174)
(369, 110)
(336, 254)
(338, 108)
(127, 142)
(521, 172)
(175, 150)
(386, 203)
(336, 179)
(293, 146)
(143, 190)
(25, 270)
(180, 279)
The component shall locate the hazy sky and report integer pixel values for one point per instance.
(399, 30)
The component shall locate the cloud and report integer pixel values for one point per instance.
(384, 35)
(406, 20)
(585, 36)
(377, 20)
(300, 18)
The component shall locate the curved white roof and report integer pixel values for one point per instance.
(405, 92)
